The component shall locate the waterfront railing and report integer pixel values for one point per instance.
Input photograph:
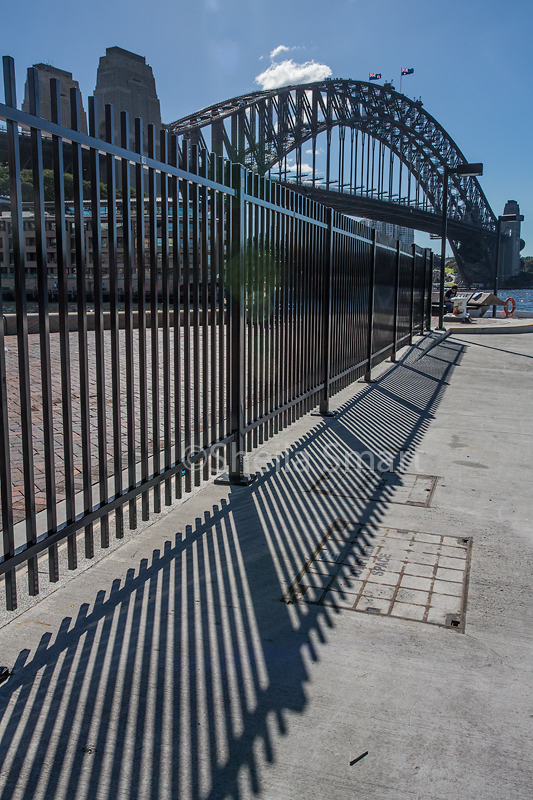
(252, 306)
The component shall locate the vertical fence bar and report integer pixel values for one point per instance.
(213, 283)
(141, 305)
(327, 311)
(8, 538)
(64, 336)
(22, 321)
(396, 302)
(276, 372)
(238, 323)
(221, 201)
(115, 337)
(196, 361)
(81, 288)
(176, 305)
(430, 292)
(296, 306)
(261, 298)
(128, 311)
(154, 318)
(228, 267)
(284, 304)
(236, 287)
(412, 302)
(288, 324)
(422, 305)
(44, 322)
(275, 353)
(253, 302)
(272, 284)
(100, 356)
(6, 497)
(204, 264)
(186, 283)
(165, 295)
(370, 318)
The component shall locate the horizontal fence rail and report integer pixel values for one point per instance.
(187, 310)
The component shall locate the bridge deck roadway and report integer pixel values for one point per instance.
(407, 216)
(171, 668)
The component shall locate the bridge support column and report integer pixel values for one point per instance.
(217, 138)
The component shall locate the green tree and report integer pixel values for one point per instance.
(26, 180)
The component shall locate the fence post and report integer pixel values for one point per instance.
(412, 310)
(19, 268)
(237, 321)
(397, 299)
(324, 410)
(370, 332)
(430, 292)
(423, 303)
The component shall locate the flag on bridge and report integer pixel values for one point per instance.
(374, 76)
(407, 71)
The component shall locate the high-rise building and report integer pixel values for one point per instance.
(511, 243)
(127, 82)
(46, 72)
(405, 235)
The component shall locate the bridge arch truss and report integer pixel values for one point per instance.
(359, 146)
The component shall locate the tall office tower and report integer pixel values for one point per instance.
(126, 81)
(66, 83)
(511, 243)
(405, 235)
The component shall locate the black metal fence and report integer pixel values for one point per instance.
(245, 305)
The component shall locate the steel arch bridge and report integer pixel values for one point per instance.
(373, 153)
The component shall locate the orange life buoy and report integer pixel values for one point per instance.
(509, 309)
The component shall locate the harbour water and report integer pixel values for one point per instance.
(522, 297)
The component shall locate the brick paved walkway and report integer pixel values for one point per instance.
(15, 432)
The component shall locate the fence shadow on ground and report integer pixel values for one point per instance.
(179, 681)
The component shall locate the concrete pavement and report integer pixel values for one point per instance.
(173, 669)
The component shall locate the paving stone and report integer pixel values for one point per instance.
(407, 610)
(364, 603)
(452, 605)
(449, 575)
(419, 570)
(347, 585)
(446, 587)
(412, 596)
(414, 582)
(379, 590)
(452, 563)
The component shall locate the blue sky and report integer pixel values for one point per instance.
(472, 60)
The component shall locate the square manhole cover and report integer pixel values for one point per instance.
(389, 572)
(390, 487)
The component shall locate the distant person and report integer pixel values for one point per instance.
(448, 298)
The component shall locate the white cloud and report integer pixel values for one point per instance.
(288, 73)
(305, 168)
(281, 49)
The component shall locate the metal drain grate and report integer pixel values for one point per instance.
(388, 571)
(390, 487)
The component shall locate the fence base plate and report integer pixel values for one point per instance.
(236, 480)
(323, 413)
